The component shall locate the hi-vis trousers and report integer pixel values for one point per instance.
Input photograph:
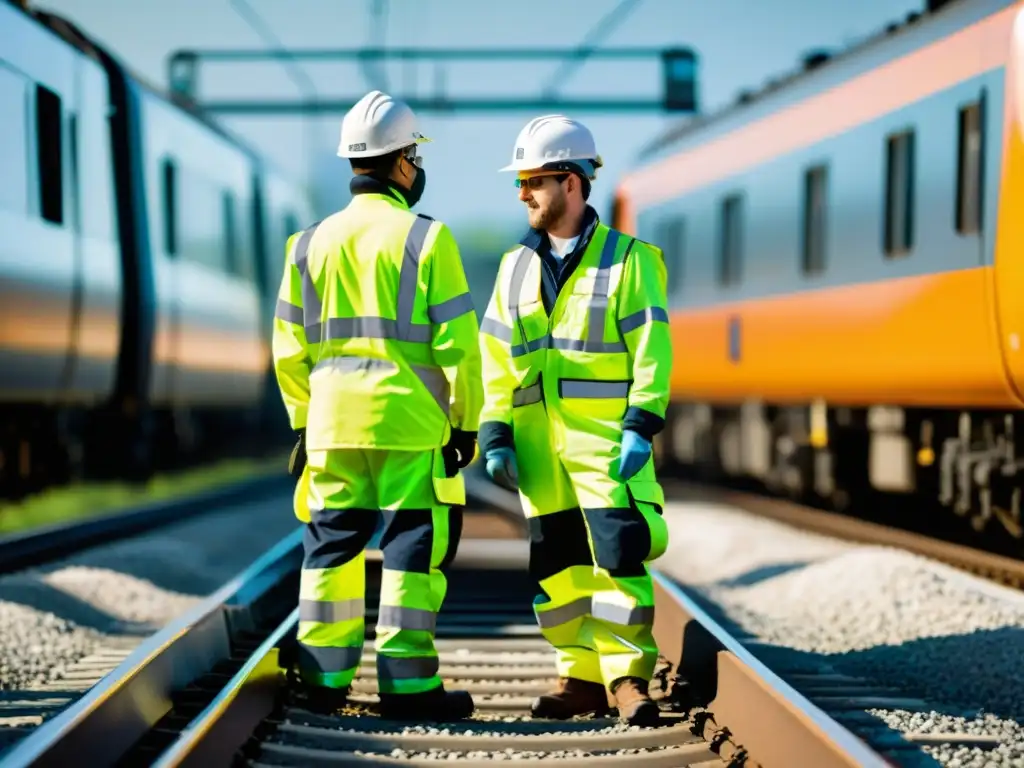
(348, 489)
(591, 537)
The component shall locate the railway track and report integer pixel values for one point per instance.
(80, 597)
(212, 689)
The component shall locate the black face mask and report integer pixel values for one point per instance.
(416, 191)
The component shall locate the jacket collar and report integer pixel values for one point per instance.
(537, 239)
(367, 185)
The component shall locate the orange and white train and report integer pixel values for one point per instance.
(846, 269)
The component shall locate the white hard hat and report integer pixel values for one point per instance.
(376, 125)
(555, 142)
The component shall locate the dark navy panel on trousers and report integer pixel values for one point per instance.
(336, 536)
(558, 541)
(407, 540)
(454, 536)
(621, 540)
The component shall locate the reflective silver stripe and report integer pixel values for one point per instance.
(436, 382)
(497, 329)
(598, 307)
(328, 611)
(344, 364)
(644, 316)
(516, 288)
(575, 345)
(563, 614)
(329, 658)
(518, 277)
(288, 312)
(584, 606)
(312, 309)
(408, 278)
(526, 396)
(592, 390)
(341, 328)
(397, 617)
(599, 298)
(408, 668)
(620, 614)
(456, 306)
(589, 345)
(401, 329)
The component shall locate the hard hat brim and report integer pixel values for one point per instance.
(521, 167)
(419, 138)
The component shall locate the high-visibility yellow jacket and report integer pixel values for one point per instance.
(589, 337)
(375, 338)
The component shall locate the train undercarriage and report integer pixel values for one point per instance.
(952, 472)
(42, 448)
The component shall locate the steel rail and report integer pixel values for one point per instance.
(763, 714)
(127, 703)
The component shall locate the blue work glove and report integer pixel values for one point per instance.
(501, 466)
(635, 453)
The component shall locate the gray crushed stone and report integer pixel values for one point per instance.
(52, 616)
(892, 617)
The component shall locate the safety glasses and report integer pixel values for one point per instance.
(536, 182)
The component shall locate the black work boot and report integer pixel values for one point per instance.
(324, 701)
(633, 702)
(571, 697)
(438, 705)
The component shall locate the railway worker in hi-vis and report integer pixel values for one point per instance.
(576, 363)
(376, 351)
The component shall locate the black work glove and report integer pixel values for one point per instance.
(297, 461)
(458, 452)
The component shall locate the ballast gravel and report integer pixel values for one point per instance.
(894, 618)
(54, 615)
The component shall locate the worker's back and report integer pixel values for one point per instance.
(376, 379)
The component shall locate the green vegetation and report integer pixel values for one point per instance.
(60, 505)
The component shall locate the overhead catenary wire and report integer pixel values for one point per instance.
(594, 36)
(296, 72)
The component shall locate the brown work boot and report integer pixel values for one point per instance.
(571, 697)
(634, 705)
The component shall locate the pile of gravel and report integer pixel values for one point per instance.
(887, 615)
(50, 617)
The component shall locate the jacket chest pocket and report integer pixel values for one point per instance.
(533, 322)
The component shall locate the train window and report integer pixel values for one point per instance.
(815, 203)
(899, 194)
(50, 155)
(170, 207)
(230, 230)
(730, 240)
(969, 171)
(673, 245)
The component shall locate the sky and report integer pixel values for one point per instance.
(740, 44)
